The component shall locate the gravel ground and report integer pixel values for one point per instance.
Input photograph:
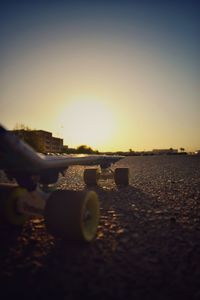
(147, 245)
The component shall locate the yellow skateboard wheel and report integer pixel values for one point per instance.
(121, 176)
(10, 213)
(72, 215)
(91, 177)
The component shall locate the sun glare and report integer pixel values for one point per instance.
(88, 122)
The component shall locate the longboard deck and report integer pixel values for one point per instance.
(16, 155)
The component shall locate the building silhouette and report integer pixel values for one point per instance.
(40, 140)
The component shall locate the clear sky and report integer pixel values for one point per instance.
(110, 74)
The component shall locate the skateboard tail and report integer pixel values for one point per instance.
(16, 154)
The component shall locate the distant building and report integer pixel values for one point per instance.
(44, 139)
(40, 140)
(164, 151)
(21, 133)
(56, 144)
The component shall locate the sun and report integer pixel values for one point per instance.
(89, 122)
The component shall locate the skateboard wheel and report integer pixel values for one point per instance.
(121, 176)
(91, 176)
(72, 215)
(10, 199)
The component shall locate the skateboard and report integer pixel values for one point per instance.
(68, 214)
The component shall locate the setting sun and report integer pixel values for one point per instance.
(88, 122)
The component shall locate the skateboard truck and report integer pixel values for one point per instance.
(67, 214)
(93, 175)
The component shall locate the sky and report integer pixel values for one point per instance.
(113, 75)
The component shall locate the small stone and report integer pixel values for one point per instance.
(120, 231)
